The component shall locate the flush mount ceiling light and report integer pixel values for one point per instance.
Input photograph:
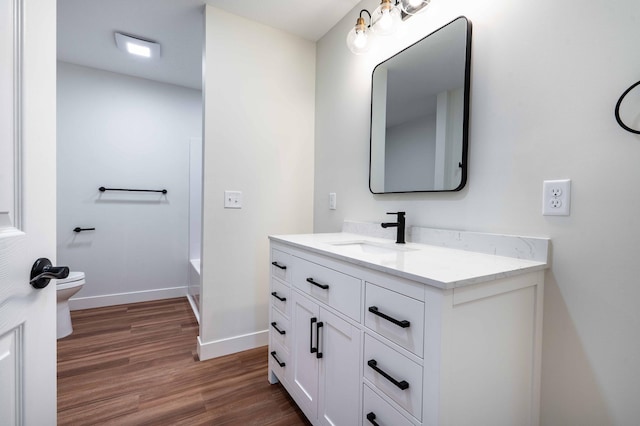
(384, 21)
(137, 46)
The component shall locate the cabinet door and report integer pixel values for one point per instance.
(339, 396)
(305, 323)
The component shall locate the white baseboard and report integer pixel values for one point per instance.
(232, 345)
(122, 298)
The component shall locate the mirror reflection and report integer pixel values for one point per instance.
(419, 114)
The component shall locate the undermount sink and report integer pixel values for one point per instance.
(367, 247)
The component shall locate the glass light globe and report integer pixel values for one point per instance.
(385, 19)
(413, 7)
(358, 38)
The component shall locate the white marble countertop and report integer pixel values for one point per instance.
(434, 265)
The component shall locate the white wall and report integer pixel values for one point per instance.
(124, 132)
(545, 79)
(259, 121)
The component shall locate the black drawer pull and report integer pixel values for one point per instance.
(280, 363)
(404, 323)
(318, 327)
(282, 299)
(322, 286)
(277, 265)
(402, 385)
(372, 419)
(274, 325)
(311, 348)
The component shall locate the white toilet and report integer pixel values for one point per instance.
(65, 288)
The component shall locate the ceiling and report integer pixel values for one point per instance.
(86, 31)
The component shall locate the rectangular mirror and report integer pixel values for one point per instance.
(420, 114)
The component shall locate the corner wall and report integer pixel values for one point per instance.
(545, 79)
(258, 139)
(124, 132)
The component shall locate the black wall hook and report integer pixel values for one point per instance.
(617, 112)
(78, 229)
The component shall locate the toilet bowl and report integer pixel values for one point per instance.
(65, 288)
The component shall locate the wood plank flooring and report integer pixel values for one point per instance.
(137, 365)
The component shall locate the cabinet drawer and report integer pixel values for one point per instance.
(279, 361)
(334, 288)
(281, 297)
(281, 265)
(398, 368)
(397, 317)
(380, 411)
(280, 329)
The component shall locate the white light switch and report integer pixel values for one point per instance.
(232, 199)
(332, 201)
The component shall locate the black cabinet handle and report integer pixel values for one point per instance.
(277, 265)
(282, 299)
(372, 419)
(274, 325)
(374, 364)
(404, 323)
(311, 348)
(322, 286)
(280, 363)
(318, 327)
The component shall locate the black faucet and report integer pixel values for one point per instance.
(399, 224)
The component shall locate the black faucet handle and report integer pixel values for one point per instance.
(398, 213)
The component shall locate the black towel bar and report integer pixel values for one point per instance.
(102, 189)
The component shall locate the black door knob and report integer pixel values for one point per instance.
(43, 271)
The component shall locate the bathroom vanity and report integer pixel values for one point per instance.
(448, 332)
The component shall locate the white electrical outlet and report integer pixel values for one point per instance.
(556, 197)
(232, 199)
(332, 201)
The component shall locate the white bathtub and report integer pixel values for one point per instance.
(193, 293)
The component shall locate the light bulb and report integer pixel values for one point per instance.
(385, 19)
(358, 38)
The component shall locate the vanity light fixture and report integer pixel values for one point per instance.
(384, 21)
(386, 18)
(413, 7)
(358, 38)
(137, 46)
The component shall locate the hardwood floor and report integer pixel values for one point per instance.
(137, 365)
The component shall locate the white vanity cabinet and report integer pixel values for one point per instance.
(373, 342)
(326, 358)
(280, 334)
(314, 347)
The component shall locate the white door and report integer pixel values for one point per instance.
(27, 210)
(339, 386)
(306, 328)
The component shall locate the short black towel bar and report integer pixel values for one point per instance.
(102, 189)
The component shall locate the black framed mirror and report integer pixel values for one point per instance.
(420, 114)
